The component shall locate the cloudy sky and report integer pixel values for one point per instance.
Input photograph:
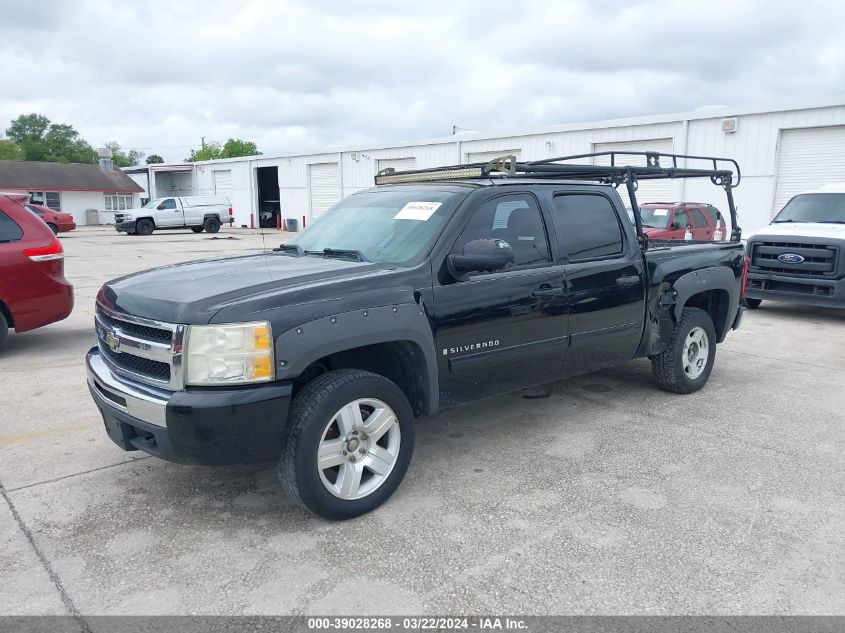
(293, 76)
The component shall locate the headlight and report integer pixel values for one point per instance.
(229, 354)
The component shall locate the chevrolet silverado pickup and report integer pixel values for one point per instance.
(435, 288)
(198, 213)
(800, 256)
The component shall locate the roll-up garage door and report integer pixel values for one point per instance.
(223, 182)
(808, 159)
(647, 191)
(324, 185)
(484, 157)
(399, 164)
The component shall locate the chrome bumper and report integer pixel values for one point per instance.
(141, 402)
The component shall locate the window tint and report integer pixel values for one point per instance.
(35, 210)
(9, 230)
(698, 219)
(714, 214)
(515, 219)
(586, 226)
(681, 218)
(170, 203)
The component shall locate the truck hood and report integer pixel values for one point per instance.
(193, 292)
(801, 229)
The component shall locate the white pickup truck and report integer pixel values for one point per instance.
(198, 213)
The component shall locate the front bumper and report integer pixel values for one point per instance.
(813, 291)
(121, 227)
(195, 426)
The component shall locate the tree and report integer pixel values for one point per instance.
(124, 159)
(153, 159)
(209, 151)
(233, 148)
(42, 140)
(9, 150)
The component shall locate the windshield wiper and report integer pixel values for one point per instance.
(831, 221)
(344, 252)
(782, 221)
(290, 248)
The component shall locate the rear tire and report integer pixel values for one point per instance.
(753, 304)
(144, 227)
(359, 412)
(4, 330)
(53, 228)
(211, 225)
(686, 365)
(197, 229)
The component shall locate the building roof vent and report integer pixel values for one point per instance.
(104, 159)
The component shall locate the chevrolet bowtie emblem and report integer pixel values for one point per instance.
(112, 341)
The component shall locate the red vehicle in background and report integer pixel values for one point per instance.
(33, 288)
(683, 221)
(57, 221)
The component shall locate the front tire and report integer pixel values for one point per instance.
(347, 444)
(686, 365)
(144, 227)
(753, 304)
(211, 225)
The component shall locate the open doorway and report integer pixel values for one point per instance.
(269, 206)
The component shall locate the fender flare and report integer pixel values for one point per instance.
(712, 278)
(304, 344)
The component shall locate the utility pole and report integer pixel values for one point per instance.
(202, 142)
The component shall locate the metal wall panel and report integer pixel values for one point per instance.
(647, 191)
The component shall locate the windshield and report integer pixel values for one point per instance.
(814, 207)
(391, 226)
(655, 218)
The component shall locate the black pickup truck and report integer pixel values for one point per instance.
(435, 288)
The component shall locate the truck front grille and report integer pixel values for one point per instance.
(818, 259)
(145, 350)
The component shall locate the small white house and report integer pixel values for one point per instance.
(72, 187)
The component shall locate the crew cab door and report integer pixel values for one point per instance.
(496, 332)
(605, 277)
(169, 213)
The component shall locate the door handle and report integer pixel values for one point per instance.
(628, 280)
(547, 292)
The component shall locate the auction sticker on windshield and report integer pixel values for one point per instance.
(661, 212)
(421, 211)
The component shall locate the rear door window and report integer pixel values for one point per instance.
(587, 226)
(698, 219)
(9, 229)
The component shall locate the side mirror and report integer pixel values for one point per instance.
(480, 256)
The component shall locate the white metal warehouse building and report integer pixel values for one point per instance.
(780, 151)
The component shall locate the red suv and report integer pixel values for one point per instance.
(57, 221)
(671, 220)
(33, 288)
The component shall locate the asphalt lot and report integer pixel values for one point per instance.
(608, 497)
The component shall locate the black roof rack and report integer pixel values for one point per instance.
(722, 172)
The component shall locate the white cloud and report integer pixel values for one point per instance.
(303, 75)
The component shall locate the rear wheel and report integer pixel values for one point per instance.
(753, 304)
(348, 443)
(196, 229)
(4, 329)
(212, 225)
(53, 228)
(144, 227)
(686, 365)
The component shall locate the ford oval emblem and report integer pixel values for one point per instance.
(790, 258)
